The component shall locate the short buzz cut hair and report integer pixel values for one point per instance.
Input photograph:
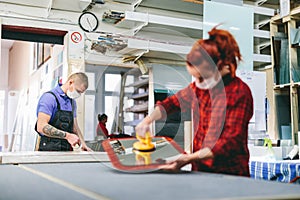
(81, 77)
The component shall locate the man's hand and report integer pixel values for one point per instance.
(73, 139)
(86, 148)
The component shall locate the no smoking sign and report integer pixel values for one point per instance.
(76, 37)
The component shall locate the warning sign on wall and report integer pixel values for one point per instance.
(76, 45)
(76, 37)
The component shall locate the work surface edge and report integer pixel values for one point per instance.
(51, 157)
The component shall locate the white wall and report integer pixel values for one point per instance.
(4, 68)
(14, 78)
(19, 61)
(18, 65)
(3, 86)
(13, 98)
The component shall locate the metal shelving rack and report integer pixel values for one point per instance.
(284, 101)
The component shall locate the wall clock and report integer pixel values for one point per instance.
(88, 22)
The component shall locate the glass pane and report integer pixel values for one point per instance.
(111, 110)
(215, 13)
(112, 82)
(129, 80)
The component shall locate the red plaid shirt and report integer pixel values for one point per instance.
(220, 121)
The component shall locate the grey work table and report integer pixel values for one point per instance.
(98, 180)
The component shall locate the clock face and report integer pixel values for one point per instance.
(88, 22)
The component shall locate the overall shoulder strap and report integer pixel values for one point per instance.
(58, 105)
(73, 106)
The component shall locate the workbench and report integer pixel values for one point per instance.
(93, 177)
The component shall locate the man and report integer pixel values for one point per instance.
(57, 117)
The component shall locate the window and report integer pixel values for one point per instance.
(112, 82)
(112, 99)
(111, 109)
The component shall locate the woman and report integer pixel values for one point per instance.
(221, 105)
(101, 128)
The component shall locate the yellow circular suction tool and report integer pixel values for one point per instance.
(144, 144)
(139, 146)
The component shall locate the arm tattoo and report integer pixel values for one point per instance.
(51, 131)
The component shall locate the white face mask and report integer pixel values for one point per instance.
(73, 95)
(208, 83)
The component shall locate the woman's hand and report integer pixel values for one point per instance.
(142, 128)
(176, 165)
(184, 159)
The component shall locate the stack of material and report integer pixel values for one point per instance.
(112, 16)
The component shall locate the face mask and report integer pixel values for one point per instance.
(73, 95)
(208, 83)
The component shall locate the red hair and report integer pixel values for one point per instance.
(221, 47)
